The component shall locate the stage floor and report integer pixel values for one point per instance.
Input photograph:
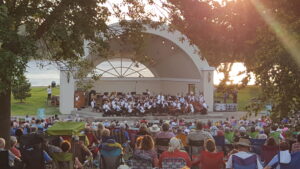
(88, 114)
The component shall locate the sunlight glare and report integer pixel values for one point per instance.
(234, 75)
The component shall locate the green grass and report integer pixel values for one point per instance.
(32, 104)
(244, 96)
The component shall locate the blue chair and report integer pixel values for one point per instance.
(294, 164)
(110, 159)
(220, 142)
(256, 145)
(247, 163)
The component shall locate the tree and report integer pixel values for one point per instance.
(264, 34)
(21, 88)
(275, 64)
(56, 31)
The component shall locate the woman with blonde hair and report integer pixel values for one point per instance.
(98, 133)
(210, 158)
(174, 151)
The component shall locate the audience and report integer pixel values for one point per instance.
(112, 135)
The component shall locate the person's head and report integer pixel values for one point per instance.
(165, 127)
(210, 145)
(100, 126)
(65, 146)
(174, 144)
(2, 143)
(122, 126)
(19, 132)
(13, 141)
(88, 130)
(138, 142)
(242, 130)
(284, 146)
(227, 129)
(105, 133)
(271, 141)
(147, 143)
(199, 125)
(143, 127)
(113, 125)
(243, 144)
(298, 138)
(274, 127)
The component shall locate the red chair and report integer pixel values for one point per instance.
(268, 152)
(209, 160)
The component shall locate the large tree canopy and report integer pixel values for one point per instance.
(56, 30)
(264, 34)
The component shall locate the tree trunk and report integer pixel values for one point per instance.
(5, 109)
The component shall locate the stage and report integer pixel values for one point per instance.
(87, 114)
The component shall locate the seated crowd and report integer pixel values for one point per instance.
(168, 144)
(127, 104)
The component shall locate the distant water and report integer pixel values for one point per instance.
(41, 76)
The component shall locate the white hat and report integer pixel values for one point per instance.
(154, 128)
(242, 129)
(244, 142)
(122, 125)
(174, 144)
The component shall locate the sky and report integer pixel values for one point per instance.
(44, 76)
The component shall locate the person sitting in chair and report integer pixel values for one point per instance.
(174, 151)
(11, 157)
(146, 150)
(243, 154)
(210, 158)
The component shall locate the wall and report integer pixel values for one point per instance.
(154, 85)
(67, 89)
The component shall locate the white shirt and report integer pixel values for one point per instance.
(192, 108)
(205, 105)
(49, 90)
(93, 104)
(242, 155)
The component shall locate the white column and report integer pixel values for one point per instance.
(208, 86)
(67, 88)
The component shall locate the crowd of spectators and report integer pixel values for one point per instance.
(142, 140)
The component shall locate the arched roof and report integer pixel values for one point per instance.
(185, 61)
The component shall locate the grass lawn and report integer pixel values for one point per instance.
(244, 96)
(32, 104)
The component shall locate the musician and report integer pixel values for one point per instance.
(106, 109)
